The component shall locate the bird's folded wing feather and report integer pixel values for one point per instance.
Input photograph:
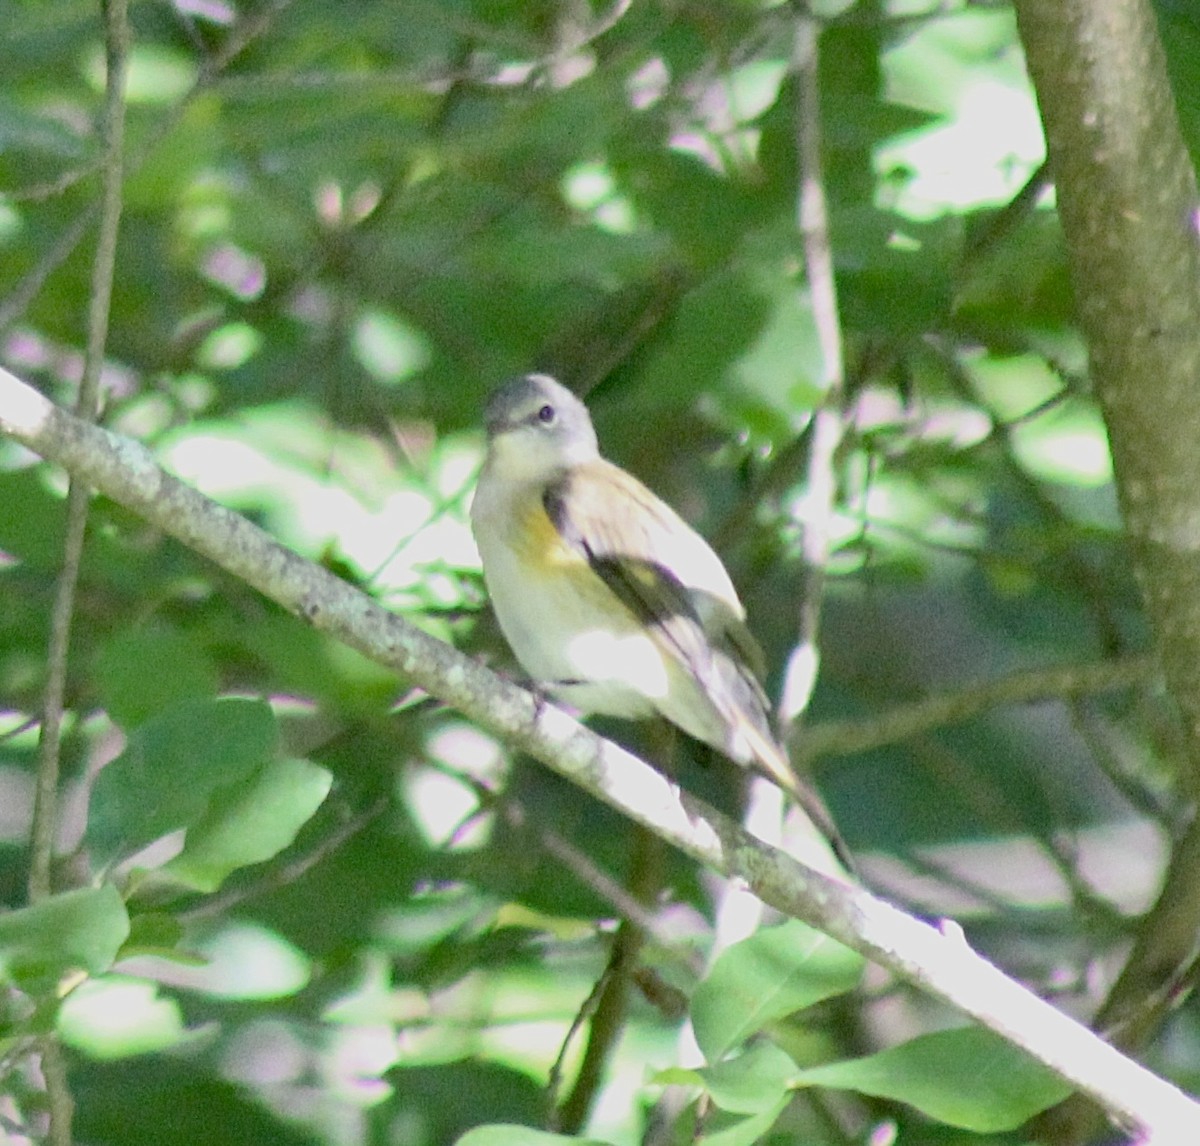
(692, 604)
(659, 568)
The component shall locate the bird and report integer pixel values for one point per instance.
(609, 600)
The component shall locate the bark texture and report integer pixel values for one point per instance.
(1128, 202)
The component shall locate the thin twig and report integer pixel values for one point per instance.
(60, 250)
(828, 422)
(611, 998)
(58, 1092)
(578, 862)
(1002, 436)
(1005, 222)
(289, 872)
(87, 406)
(584, 868)
(1123, 760)
(643, 882)
(583, 1015)
(45, 807)
(1059, 682)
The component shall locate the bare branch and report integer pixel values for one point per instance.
(1057, 682)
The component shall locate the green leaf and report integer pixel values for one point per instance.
(81, 929)
(521, 1136)
(32, 519)
(772, 974)
(250, 822)
(154, 933)
(751, 1082)
(142, 671)
(676, 1076)
(172, 766)
(40, 134)
(750, 1130)
(967, 1077)
(115, 1017)
(715, 325)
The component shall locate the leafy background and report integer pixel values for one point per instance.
(343, 913)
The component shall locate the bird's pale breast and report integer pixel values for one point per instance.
(563, 623)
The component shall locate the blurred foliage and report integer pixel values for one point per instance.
(343, 916)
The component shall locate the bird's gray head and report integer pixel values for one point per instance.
(536, 426)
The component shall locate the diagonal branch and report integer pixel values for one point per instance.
(937, 961)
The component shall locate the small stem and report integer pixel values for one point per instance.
(828, 422)
(45, 809)
(116, 28)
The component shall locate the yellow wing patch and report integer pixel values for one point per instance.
(537, 541)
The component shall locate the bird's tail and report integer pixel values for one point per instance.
(770, 760)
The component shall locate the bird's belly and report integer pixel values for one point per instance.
(572, 635)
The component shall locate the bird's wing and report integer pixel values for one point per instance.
(667, 575)
(656, 564)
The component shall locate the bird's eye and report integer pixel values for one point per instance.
(546, 415)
